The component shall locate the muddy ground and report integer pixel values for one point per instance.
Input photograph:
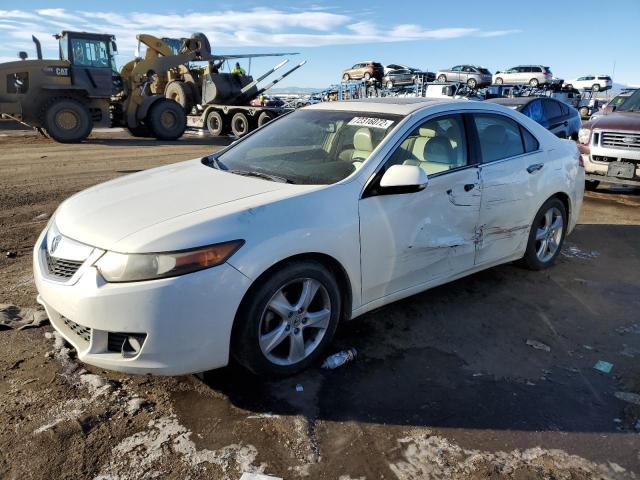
(445, 384)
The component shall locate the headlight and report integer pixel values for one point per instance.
(584, 135)
(120, 267)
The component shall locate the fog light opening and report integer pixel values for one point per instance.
(130, 347)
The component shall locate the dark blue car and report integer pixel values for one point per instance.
(556, 116)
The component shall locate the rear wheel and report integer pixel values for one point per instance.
(264, 118)
(534, 82)
(367, 76)
(239, 124)
(287, 320)
(595, 87)
(499, 81)
(591, 185)
(584, 112)
(166, 120)
(180, 92)
(546, 235)
(67, 120)
(442, 78)
(568, 86)
(472, 83)
(216, 124)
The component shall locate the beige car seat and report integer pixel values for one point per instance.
(363, 146)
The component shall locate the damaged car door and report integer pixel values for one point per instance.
(511, 165)
(413, 238)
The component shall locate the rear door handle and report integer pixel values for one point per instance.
(535, 167)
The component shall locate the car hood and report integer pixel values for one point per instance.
(105, 214)
(617, 121)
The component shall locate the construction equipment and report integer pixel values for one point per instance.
(66, 98)
(222, 102)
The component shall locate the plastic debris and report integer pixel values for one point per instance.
(628, 397)
(258, 476)
(42, 216)
(604, 367)
(299, 388)
(12, 254)
(338, 359)
(538, 345)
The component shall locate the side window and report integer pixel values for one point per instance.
(499, 137)
(457, 68)
(551, 109)
(530, 142)
(565, 109)
(436, 146)
(18, 82)
(534, 111)
(536, 69)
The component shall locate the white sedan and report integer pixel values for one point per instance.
(258, 251)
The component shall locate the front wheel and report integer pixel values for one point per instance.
(287, 320)
(534, 82)
(389, 84)
(442, 78)
(546, 235)
(367, 76)
(568, 86)
(345, 77)
(472, 83)
(595, 87)
(67, 120)
(499, 81)
(166, 120)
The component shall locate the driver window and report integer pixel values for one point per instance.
(436, 146)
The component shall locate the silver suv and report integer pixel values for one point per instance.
(533, 75)
(473, 75)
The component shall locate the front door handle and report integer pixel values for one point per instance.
(535, 167)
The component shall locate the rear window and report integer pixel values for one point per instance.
(605, 77)
(530, 142)
(484, 71)
(377, 65)
(499, 137)
(536, 69)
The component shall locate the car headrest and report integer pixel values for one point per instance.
(426, 132)
(439, 150)
(362, 140)
(496, 134)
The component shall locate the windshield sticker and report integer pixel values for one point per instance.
(371, 122)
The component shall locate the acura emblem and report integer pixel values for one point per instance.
(629, 139)
(55, 242)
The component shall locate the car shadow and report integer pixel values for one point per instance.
(458, 355)
(152, 142)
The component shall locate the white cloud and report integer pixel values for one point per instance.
(259, 27)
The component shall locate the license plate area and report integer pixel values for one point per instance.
(621, 170)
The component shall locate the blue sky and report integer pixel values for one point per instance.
(573, 37)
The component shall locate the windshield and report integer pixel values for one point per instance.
(86, 52)
(313, 147)
(632, 104)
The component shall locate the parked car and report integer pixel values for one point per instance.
(556, 116)
(533, 75)
(502, 91)
(473, 75)
(396, 75)
(364, 71)
(595, 83)
(320, 216)
(614, 103)
(610, 146)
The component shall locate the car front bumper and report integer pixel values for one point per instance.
(185, 321)
(597, 161)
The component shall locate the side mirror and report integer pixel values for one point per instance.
(404, 179)
(114, 47)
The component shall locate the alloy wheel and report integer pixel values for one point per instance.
(294, 321)
(549, 234)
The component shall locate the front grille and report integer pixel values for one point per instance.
(630, 141)
(82, 332)
(61, 268)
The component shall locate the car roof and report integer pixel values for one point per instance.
(391, 105)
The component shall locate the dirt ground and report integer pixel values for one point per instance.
(445, 384)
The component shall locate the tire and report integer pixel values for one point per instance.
(345, 77)
(67, 120)
(166, 120)
(568, 86)
(203, 42)
(141, 131)
(181, 93)
(256, 317)
(499, 81)
(472, 83)
(389, 84)
(540, 253)
(591, 185)
(367, 76)
(239, 125)
(534, 82)
(595, 87)
(442, 78)
(584, 112)
(264, 118)
(216, 124)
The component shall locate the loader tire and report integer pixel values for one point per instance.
(141, 131)
(181, 93)
(239, 124)
(166, 120)
(67, 120)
